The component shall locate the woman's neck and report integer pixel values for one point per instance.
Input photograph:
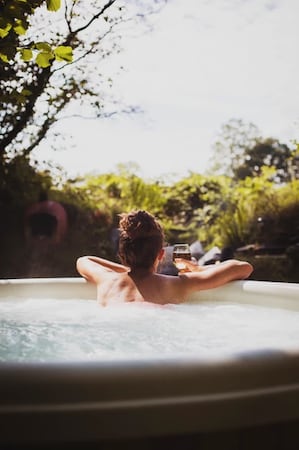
(141, 272)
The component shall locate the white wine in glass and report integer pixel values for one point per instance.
(181, 251)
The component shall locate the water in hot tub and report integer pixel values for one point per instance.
(65, 330)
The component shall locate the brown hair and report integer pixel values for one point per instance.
(140, 240)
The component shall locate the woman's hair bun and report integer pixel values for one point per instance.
(139, 224)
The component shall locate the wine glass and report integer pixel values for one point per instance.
(181, 251)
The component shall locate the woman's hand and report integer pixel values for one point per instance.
(185, 265)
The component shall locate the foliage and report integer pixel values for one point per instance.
(284, 219)
(215, 210)
(121, 191)
(229, 151)
(191, 205)
(269, 153)
(182, 207)
(87, 232)
(273, 268)
(258, 211)
(247, 201)
(21, 183)
(240, 152)
(14, 24)
(34, 96)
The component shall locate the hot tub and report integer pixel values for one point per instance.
(243, 398)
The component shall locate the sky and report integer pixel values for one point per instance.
(204, 63)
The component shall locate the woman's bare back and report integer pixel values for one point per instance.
(130, 287)
(118, 283)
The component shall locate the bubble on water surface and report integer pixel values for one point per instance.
(68, 330)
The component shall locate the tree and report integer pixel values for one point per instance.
(241, 152)
(192, 204)
(271, 153)
(35, 92)
(122, 191)
(229, 150)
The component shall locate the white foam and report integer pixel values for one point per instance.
(64, 330)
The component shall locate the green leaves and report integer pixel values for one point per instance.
(53, 5)
(46, 54)
(43, 46)
(4, 29)
(44, 59)
(26, 54)
(22, 96)
(14, 18)
(19, 28)
(63, 53)
(7, 53)
(14, 22)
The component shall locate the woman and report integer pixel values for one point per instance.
(137, 280)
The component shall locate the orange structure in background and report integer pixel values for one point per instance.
(45, 221)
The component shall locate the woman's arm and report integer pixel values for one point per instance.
(216, 275)
(93, 268)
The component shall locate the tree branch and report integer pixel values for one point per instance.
(36, 88)
(128, 110)
(95, 17)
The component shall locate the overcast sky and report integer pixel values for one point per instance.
(205, 62)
